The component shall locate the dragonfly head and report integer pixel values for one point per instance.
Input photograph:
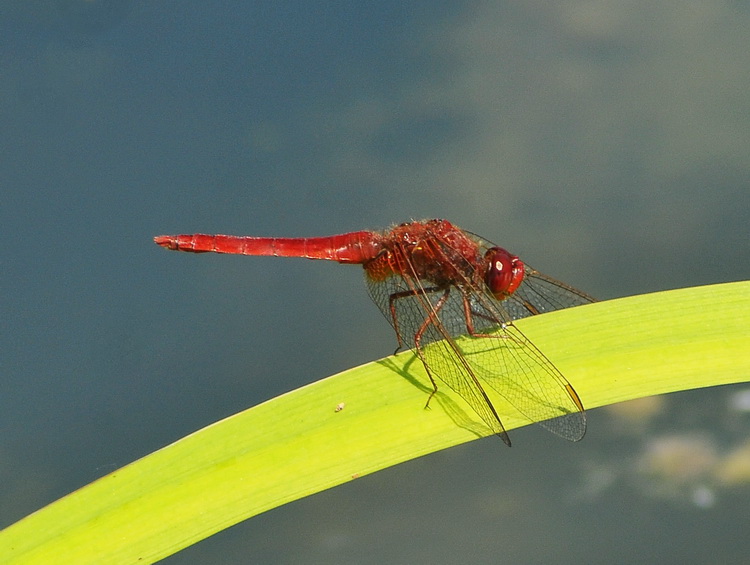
(504, 272)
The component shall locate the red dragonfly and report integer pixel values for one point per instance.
(450, 295)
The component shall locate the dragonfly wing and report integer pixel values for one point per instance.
(444, 360)
(437, 350)
(505, 359)
(539, 294)
(434, 319)
(512, 366)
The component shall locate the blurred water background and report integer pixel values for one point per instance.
(607, 143)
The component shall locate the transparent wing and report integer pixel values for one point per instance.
(511, 365)
(539, 293)
(434, 320)
(422, 310)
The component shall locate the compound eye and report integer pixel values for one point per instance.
(504, 272)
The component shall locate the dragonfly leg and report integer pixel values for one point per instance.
(431, 318)
(470, 330)
(392, 306)
(469, 317)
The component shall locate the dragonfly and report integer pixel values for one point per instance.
(452, 297)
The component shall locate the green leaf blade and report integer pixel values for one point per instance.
(299, 443)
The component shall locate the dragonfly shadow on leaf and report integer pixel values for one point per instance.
(460, 416)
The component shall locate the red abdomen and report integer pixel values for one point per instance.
(356, 247)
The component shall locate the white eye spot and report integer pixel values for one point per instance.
(499, 265)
